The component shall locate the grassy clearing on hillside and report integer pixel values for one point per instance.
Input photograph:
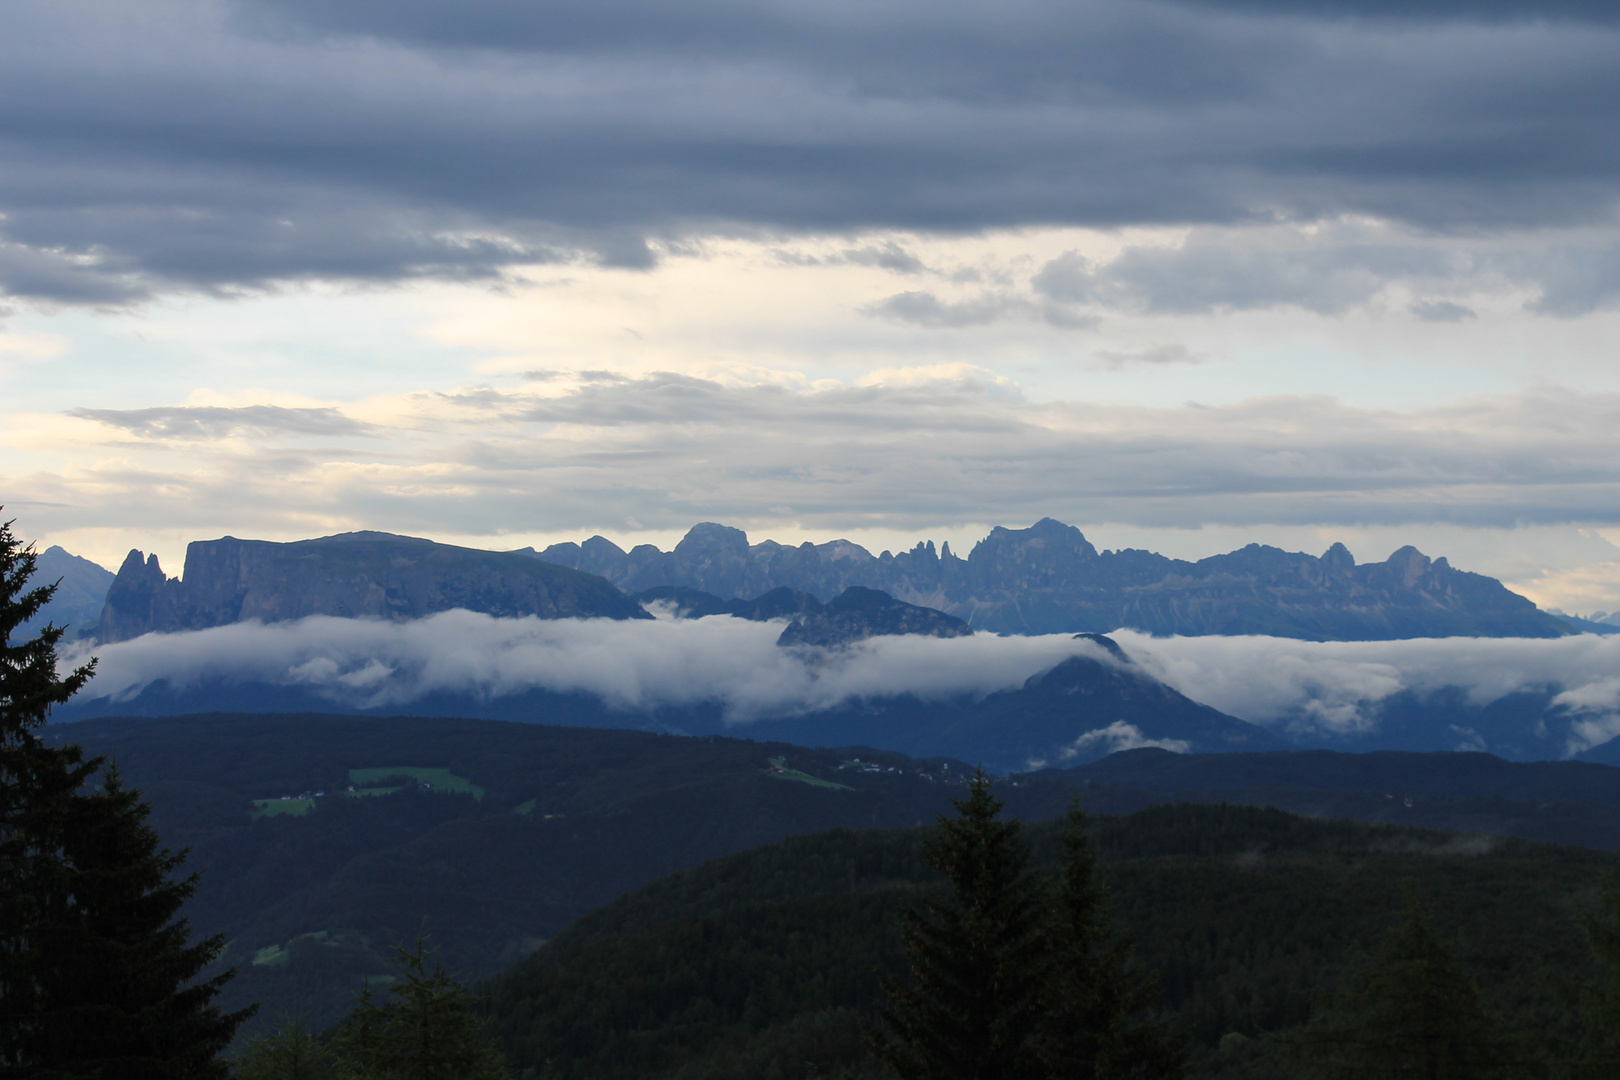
(273, 807)
(270, 956)
(441, 780)
(780, 770)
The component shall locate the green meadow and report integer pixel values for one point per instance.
(441, 780)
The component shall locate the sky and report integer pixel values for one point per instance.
(1187, 275)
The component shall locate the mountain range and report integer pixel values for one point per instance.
(1049, 579)
(1044, 579)
(1082, 709)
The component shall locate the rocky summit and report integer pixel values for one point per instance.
(859, 613)
(854, 615)
(1050, 579)
(354, 575)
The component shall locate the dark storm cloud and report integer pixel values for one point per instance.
(182, 144)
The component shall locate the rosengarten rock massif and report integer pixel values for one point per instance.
(1044, 579)
(1049, 579)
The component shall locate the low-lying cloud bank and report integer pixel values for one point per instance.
(630, 665)
(1335, 688)
(1313, 690)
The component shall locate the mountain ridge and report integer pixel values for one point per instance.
(1049, 578)
(348, 575)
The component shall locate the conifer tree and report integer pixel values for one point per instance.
(1415, 1013)
(37, 786)
(1596, 1052)
(979, 957)
(427, 1031)
(1097, 1022)
(290, 1053)
(95, 970)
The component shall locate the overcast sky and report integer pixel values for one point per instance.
(501, 272)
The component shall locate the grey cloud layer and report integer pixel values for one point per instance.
(185, 144)
(1325, 267)
(669, 450)
(1321, 689)
(192, 422)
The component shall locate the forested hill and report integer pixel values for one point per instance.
(323, 841)
(522, 828)
(766, 962)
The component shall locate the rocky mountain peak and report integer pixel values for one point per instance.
(1409, 565)
(1109, 645)
(1046, 553)
(716, 559)
(1337, 560)
(859, 613)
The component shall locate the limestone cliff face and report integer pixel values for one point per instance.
(356, 575)
(140, 599)
(1049, 579)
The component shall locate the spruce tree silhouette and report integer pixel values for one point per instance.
(427, 1031)
(1097, 1024)
(292, 1052)
(979, 956)
(96, 975)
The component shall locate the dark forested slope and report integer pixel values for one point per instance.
(523, 828)
(520, 829)
(763, 963)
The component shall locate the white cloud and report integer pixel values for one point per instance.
(630, 665)
(1156, 355)
(1116, 737)
(1322, 690)
(1335, 687)
(1597, 710)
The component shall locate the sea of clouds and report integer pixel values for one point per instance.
(1326, 689)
